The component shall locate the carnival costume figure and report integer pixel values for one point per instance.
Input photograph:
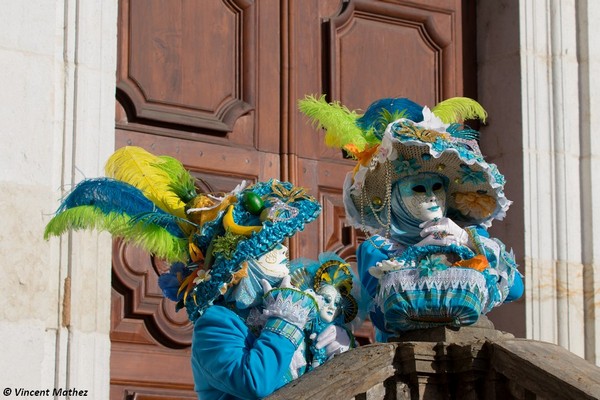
(425, 196)
(225, 250)
(331, 282)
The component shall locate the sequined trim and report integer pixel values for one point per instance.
(284, 328)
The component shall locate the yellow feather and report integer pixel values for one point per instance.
(136, 166)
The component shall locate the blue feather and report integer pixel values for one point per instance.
(462, 131)
(159, 218)
(110, 195)
(169, 282)
(372, 118)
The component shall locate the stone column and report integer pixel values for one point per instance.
(588, 54)
(538, 63)
(58, 63)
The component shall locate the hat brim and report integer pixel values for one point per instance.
(475, 193)
(258, 243)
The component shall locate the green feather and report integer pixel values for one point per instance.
(182, 183)
(152, 238)
(459, 109)
(338, 121)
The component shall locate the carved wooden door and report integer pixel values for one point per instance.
(215, 84)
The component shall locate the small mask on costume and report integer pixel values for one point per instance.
(271, 266)
(424, 196)
(329, 307)
(275, 263)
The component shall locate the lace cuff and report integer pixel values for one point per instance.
(284, 328)
(291, 305)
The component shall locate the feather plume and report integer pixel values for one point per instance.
(152, 238)
(338, 121)
(108, 195)
(121, 209)
(458, 109)
(462, 131)
(384, 111)
(182, 183)
(159, 178)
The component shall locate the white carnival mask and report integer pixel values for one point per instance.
(329, 306)
(424, 196)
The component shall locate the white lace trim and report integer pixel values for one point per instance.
(451, 278)
(283, 307)
(256, 319)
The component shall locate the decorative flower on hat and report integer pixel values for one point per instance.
(407, 167)
(201, 276)
(472, 203)
(432, 121)
(386, 151)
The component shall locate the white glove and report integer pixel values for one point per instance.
(288, 303)
(334, 339)
(442, 232)
(285, 283)
(298, 361)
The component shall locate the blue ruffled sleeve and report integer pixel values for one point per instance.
(516, 290)
(229, 361)
(500, 259)
(367, 255)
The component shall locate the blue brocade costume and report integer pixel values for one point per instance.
(368, 255)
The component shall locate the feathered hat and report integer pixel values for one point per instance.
(261, 216)
(396, 138)
(332, 270)
(152, 201)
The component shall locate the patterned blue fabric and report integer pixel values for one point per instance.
(416, 309)
(284, 328)
(230, 362)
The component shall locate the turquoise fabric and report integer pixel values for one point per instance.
(462, 306)
(418, 309)
(230, 362)
(368, 255)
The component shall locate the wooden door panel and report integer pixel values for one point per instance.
(391, 48)
(215, 84)
(182, 62)
(191, 67)
(374, 49)
(141, 312)
(222, 162)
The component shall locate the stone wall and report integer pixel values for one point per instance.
(58, 61)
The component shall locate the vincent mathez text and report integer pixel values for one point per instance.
(56, 392)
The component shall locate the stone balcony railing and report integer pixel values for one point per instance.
(475, 362)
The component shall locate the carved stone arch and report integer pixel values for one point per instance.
(186, 65)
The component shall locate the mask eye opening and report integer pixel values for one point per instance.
(437, 186)
(419, 189)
